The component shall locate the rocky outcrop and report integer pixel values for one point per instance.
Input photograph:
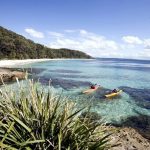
(127, 139)
(121, 138)
(8, 75)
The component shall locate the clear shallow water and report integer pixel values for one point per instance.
(73, 76)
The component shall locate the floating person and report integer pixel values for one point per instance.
(92, 89)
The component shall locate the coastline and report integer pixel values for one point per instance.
(125, 137)
(11, 63)
(8, 74)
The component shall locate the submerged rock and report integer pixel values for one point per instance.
(66, 84)
(141, 96)
(92, 116)
(60, 75)
(34, 70)
(65, 71)
(137, 93)
(140, 122)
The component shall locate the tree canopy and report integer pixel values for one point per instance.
(15, 46)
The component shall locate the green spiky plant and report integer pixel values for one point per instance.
(38, 120)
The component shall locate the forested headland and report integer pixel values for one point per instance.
(15, 46)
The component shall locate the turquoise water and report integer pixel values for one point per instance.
(71, 77)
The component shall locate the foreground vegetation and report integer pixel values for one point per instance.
(15, 46)
(33, 118)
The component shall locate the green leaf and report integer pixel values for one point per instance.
(9, 129)
(32, 142)
(23, 125)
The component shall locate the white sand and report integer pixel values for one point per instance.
(12, 63)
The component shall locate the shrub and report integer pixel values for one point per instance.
(35, 119)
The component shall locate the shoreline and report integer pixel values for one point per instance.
(125, 137)
(12, 63)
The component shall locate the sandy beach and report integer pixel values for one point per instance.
(12, 63)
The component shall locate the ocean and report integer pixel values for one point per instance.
(71, 77)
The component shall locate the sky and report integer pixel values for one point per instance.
(101, 28)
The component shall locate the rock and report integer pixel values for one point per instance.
(18, 74)
(70, 76)
(141, 96)
(127, 139)
(65, 71)
(7, 75)
(34, 70)
(141, 123)
(66, 84)
(92, 116)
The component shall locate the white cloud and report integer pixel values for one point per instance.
(88, 42)
(132, 40)
(83, 32)
(94, 44)
(55, 34)
(70, 31)
(34, 33)
(147, 43)
(144, 54)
